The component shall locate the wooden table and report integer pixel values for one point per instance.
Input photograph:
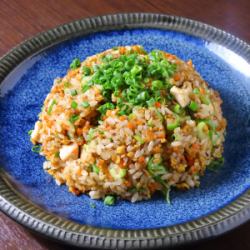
(20, 19)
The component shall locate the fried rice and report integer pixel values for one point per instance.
(128, 123)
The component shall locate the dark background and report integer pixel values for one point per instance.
(21, 19)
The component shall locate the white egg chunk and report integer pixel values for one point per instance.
(34, 137)
(182, 94)
(68, 152)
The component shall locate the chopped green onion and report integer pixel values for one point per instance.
(67, 84)
(85, 87)
(205, 99)
(95, 169)
(36, 148)
(74, 118)
(172, 126)
(157, 84)
(85, 104)
(177, 109)
(196, 91)
(86, 70)
(155, 169)
(167, 195)
(193, 106)
(90, 134)
(200, 130)
(117, 172)
(107, 106)
(30, 132)
(73, 92)
(75, 63)
(151, 102)
(139, 139)
(74, 105)
(216, 164)
(109, 200)
(57, 154)
(51, 107)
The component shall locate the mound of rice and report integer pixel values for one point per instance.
(128, 123)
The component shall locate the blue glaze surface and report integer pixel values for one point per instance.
(32, 81)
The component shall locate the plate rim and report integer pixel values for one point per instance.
(30, 215)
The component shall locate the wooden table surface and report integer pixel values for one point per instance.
(20, 19)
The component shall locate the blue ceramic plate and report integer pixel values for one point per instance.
(25, 88)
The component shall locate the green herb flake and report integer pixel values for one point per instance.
(172, 126)
(85, 104)
(95, 169)
(76, 63)
(85, 87)
(139, 139)
(30, 132)
(216, 164)
(109, 200)
(196, 91)
(193, 106)
(90, 134)
(51, 107)
(74, 105)
(57, 154)
(73, 92)
(86, 70)
(74, 118)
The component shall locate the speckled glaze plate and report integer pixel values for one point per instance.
(32, 198)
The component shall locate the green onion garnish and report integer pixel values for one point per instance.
(109, 200)
(90, 134)
(177, 109)
(30, 132)
(216, 164)
(75, 63)
(73, 92)
(74, 105)
(74, 118)
(51, 107)
(95, 169)
(196, 91)
(85, 104)
(193, 106)
(139, 139)
(57, 154)
(86, 70)
(67, 84)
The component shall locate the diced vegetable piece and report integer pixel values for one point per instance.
(205, 99)
(51, 106)
(75, 63)
(85, 104)
(74, 105)
(216, 164)
(177, 109)
(73, 92)
(200, 129)
(193, 106)
(86, 70)
(95, 169)
(74, 118)
(117, 172)
(109, 200)
(139, 139)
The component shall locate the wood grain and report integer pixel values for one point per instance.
(20, 19)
